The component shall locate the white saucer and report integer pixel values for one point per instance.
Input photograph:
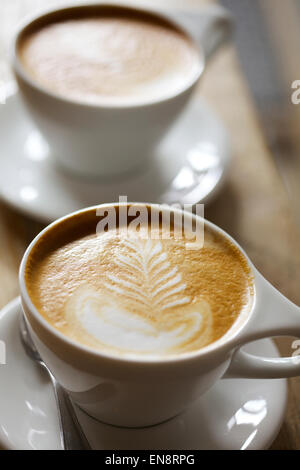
(188, 166)
(234, 414)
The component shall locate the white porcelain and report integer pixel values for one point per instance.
(138, 391)
(234, 414)
(109, 139)
(188, 167)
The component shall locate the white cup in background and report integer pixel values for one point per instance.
(104, 140)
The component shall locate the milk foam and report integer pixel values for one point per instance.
(126, 295)
(162, 283)
(113, 326)
(110, 59)
(149, 320)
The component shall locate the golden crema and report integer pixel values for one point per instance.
(127, 293)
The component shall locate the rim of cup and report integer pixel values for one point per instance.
(224, 341)
(52, 11)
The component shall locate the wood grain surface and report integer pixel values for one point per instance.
(254, 205)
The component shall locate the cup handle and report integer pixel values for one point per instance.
(275, 316)
(210, 26)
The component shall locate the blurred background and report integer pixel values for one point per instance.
(249, 85)
(267, 39)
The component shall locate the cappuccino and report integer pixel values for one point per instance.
(129, 293)
(109, 55)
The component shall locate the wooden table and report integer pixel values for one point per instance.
(254, 206)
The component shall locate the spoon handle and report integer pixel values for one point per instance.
(71, 434)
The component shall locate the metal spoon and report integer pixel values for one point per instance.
(71, 434)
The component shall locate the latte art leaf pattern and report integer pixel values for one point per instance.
(146, 264)
(115, 327)
(138, 292)
(143, 306)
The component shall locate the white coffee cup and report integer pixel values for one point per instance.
(99, 140)
(143, 391)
